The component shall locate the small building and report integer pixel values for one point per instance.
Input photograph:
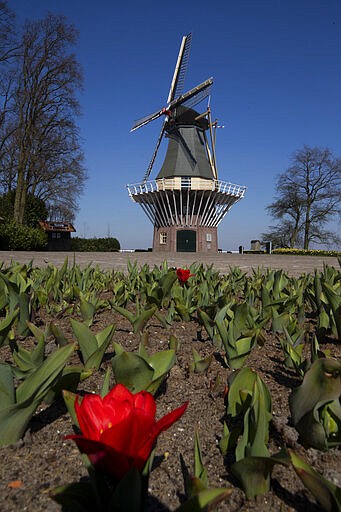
(58, 235)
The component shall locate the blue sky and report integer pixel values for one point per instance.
(276, 66)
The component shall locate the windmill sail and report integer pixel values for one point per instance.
(177, 84)
(178, 101)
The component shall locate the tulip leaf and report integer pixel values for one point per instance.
(37, 384)
(75, 497)
(205, 498)
(254, 472)
(6, 325)
(132, 371)
(69, 399)
(200, 365)
(200, 472)
(254, 475)
(69, 379)
(128, 493)
(325, 492)
(58, 335)
(321, 386)
(14, 420)
(242, 380)
(87, 310)
(334, 300)
(92, 346)
(7, 390)
(142, 319)
(207, 322)
(106, 383)
(104, 339)
(161, 362)
(118, 348)
(86, 340)
(124, 312)
(321, 383)
(26, 360)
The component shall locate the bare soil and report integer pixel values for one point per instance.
(43, 459)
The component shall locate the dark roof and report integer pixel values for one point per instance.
(186, 116)
(186, 154)
(48, 225)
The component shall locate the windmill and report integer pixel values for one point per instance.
(186, 201)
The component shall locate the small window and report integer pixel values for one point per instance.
(208, 237)
(163, 238)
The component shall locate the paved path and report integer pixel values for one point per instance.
(293, 265)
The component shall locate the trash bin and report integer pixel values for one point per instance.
(241, 249)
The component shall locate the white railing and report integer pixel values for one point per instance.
(223, 187)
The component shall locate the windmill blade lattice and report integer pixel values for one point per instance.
(178, 80)
(145, 120)
(151, 163)
(199, 97)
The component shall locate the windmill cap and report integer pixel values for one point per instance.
(187, 117)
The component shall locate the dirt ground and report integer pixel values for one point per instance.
(31, 468)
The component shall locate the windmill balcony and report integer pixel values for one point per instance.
(181, 183)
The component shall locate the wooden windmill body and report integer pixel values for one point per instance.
(186, 201)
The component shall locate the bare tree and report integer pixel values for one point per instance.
(309, 194)
(40, 140)
(8, 44)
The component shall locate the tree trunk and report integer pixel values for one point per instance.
(307, 228)
(20, 192)
(20, 200)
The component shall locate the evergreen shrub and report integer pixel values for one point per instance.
(95, 244)
(17, 237)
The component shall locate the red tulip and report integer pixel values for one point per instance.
(120, 430)
(183, 275)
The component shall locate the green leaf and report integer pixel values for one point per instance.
(200, 471)
(124, 312)
(69, 399)
(132, 371)
(243, 380)
(24, 314)
(162, 362)
(205, 498)
(128, 493)
(75, 497)
(86, 340)
(326, 493)
(106, 383)
(14, 420)
(37, 384)
(6, 325)
(103, 340)
(321, 383)
(321, 386)
(69, 379)
(58, 335)
(207, 322)
(254, 472)
(87, 310)
(334, 300)
(7, 390)
(142, 319)
(200, 365)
